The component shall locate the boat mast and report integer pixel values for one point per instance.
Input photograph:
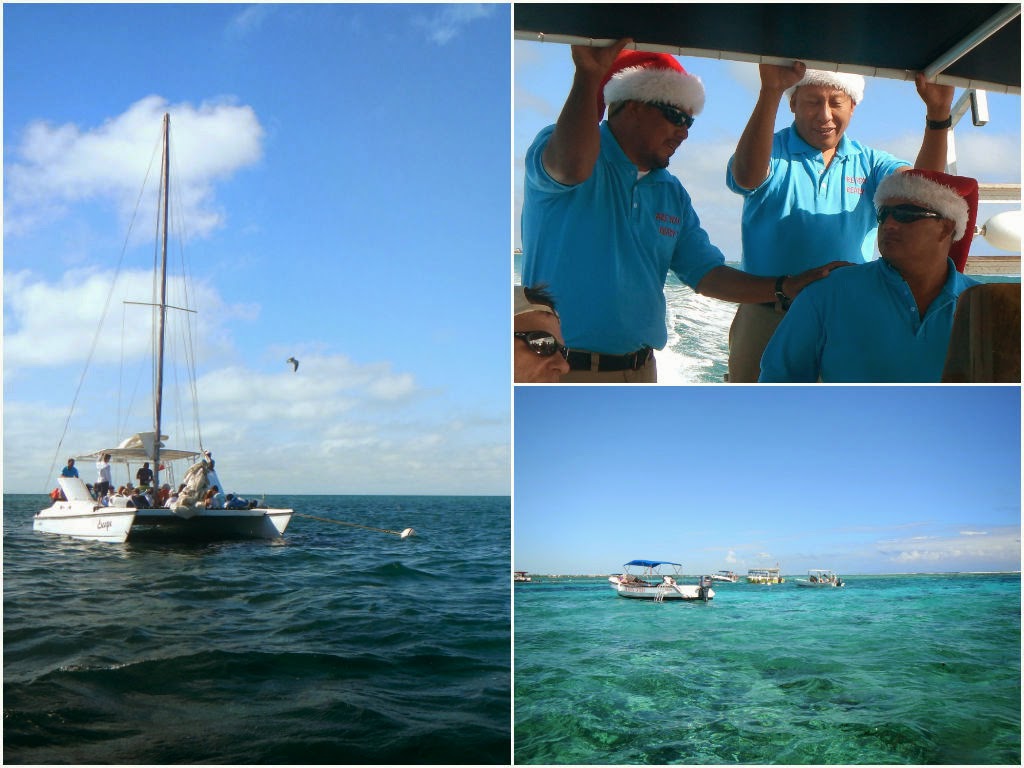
(162, 307)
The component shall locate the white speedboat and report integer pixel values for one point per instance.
(76, 512)
(521, 576)
(818, 578)
(729, 576)
(652, 583)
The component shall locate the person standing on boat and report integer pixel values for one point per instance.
(604, 221)
(888, 320)
(103, 479)
(807, 189)
(144, 476)
(539, 356)
(70, 470)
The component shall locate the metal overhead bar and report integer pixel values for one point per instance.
(973, 40)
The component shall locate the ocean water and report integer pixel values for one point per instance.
(333, 645)
(887, 670)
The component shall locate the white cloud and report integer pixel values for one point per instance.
(53, 167)
(336, 426)
(980, 153)
(446, 21)
(54, 324)
(998, 549)
(249, 20)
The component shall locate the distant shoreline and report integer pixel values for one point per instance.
(532, 574)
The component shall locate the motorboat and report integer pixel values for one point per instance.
(765, 576)
(818, 578)
(521, 576)
(653, 583)
(196, 511)
(729, 576)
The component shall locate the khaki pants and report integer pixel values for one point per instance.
(646, 375)
(749, 334)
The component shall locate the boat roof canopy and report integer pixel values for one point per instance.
(140, 447)
(971, 45)
(651, 563)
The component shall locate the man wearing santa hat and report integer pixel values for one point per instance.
(538, 352)
(810, 185)
(887, 320)
(604, 221)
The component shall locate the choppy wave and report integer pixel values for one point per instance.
(337, 645)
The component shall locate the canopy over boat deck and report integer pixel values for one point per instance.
(968, 45)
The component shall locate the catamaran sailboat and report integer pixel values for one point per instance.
(76, 512)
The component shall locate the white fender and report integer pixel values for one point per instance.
(1004, 230)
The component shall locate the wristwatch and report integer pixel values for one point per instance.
(780, 294)
(938, 125)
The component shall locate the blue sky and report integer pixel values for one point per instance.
(858, 479)
(344, 175)
(891, 117)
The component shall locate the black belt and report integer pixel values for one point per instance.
(583, 361)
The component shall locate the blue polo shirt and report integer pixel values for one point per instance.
(861, 324)
(804, 214)
(604, 247)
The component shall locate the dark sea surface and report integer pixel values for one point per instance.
(921, 669)
(332, 645)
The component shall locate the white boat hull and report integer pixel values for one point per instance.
(81, 517)
(88, 521)
(816, 584)
(658, 592)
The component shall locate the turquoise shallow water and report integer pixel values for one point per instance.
(888, 670)
(335, 645)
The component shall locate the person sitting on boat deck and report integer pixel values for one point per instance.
(234, 502)
(102, 476)
(139, 500)
(604, 221)
(163, 494)
(144, 475)
(889, 320)
(810, 184)
(539, 356)
(214, 498)
(172, 500)
(70, 470)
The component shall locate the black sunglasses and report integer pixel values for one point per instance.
(906, 214)
(542, 343)
(675, 116)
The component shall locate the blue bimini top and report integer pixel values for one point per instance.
(651, 563)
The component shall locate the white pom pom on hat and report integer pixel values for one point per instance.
(851, 85)
(651, 77)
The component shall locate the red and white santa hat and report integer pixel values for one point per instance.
(851, 85)
(955, 197)
(650, 77)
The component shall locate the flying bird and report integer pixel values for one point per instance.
(294, 362)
